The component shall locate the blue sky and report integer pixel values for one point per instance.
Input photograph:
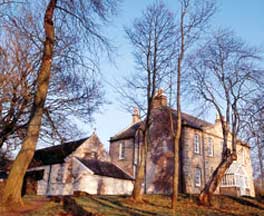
(245, 17)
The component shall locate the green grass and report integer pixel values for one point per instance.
(159, 205)
(49, 209)
(153, 205)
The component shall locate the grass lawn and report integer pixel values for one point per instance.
(153, 205)
(159, 205)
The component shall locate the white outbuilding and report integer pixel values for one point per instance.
(79, 166)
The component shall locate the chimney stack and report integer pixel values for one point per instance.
(135, 115)
(160, 99)
(218, 119)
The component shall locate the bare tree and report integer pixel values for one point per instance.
(224, 74)
(78, 18)
(16, 86)
(193, 19)
(74, 87)
(253, 132)
(153, 39)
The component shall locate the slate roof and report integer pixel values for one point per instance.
(104, 168)
(55, 154)
(127, 133)
(194, 122)
(187, 120)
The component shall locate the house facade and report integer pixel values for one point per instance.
(79, 166)
(200, 153)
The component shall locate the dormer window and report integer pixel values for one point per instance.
(121, 151)
(210, 147)
(196, 144)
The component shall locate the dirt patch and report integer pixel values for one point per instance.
(29, 206)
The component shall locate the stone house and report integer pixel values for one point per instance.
(200, 153)
(79, 166)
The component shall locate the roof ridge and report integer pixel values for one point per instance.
(197, 118)
(69, 142)
(124, 129)
(100, 167)
(192, 121)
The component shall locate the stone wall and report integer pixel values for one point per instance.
(160, 157)
(93, 184)
(65, 179)
(58, 178)
(208, 163)
(125, 163)
(231, 191)
(92, 148)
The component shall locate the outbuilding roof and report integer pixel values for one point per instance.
(104, 168)
(55, 154)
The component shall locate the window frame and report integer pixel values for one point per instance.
(94, 155)
(60, 174)
(198, 171)
(196, 144)
(210, 150)
(121, 155)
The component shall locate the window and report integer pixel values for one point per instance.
(196, 144)
(246, 182)
(59, 177)
(243, 156)
(197, 180)
(210, 147)
(224, 180)
(94, 154)
(121, 151)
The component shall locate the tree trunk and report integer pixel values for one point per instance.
(260, 159)
(140, 175)
(176, 150)
(179, 121)
(13, 187)
(215, 179)
(176, 165)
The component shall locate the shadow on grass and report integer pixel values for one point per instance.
(70, 205)
(245, 202)
(120, 206)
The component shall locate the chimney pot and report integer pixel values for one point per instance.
(218, 118)
(135, 115)
(160, 99)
